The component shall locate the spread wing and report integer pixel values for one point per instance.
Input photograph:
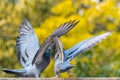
(27, 44)
(84, 45)
(62, 29)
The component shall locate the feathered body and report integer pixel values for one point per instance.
(63, 57)
(34, 58)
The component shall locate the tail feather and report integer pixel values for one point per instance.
(15, 72)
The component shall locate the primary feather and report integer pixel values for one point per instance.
(84, 45)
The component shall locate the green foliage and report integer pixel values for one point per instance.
(46, 15)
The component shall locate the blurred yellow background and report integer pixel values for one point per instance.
(96, 17)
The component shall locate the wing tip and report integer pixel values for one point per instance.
(73, 21)
(69, 26)
(107, 33)
(76, 22)
(24, 27)
(25, 20)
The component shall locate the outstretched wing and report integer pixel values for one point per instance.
(62, 29)
(27, 44)
(84, 45)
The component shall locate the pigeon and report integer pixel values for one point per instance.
(33, 57)
(63, 57)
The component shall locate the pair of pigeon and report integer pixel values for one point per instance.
(34, 58)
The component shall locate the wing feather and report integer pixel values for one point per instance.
(27, 44)
(84, 45)
(61, 30)
(64, 28)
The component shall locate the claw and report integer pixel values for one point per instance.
(71, 75)
(54, 78)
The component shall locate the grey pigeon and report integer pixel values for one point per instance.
(63, 57)
(34, 58)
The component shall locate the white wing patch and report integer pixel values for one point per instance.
(27, 44)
